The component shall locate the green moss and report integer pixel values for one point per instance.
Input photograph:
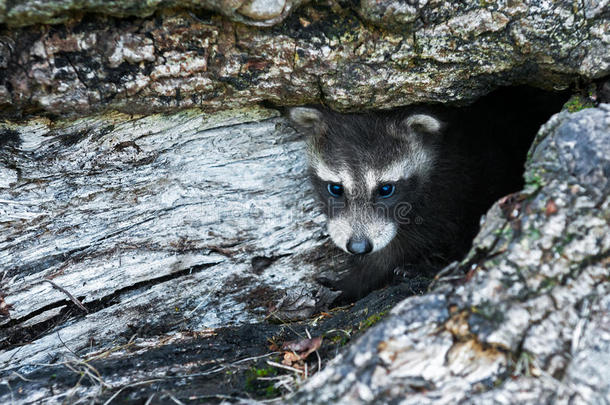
(339, 337)
(577, 103)
(565, 241)
(534, 234)
(505, 232)
(261, 388)
(264, 372)
(371, 320)
(533, 180)
(548, 284)
(489, 312)
(340, 340)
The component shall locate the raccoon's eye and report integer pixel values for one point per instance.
(336, 190)
(386, 190)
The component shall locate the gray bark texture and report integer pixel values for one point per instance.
(202, 222)
(253, 12)
(157, 229)
(531, 324)
(377, 54)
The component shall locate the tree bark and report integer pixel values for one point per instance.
(23, 13)
(376, 55)
(163, 221)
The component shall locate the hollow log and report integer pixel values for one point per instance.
(158, 235)
(375, 55)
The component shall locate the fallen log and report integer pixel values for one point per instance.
(160, 222)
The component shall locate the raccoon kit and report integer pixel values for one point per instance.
(403, 191)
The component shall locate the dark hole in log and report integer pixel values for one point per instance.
(499, 129)
(509, 119)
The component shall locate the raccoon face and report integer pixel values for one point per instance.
(368, 171)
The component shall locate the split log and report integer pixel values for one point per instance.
(375, 55)
(161, 222)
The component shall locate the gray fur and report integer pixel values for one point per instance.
(419, 224)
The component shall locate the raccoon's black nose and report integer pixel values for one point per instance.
(359, 246)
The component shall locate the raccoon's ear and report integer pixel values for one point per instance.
(308, 118)
(423, 123)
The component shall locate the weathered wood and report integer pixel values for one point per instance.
(210, 365)
(22, 13)
(193, 221)
(160, 222)
(376, 55)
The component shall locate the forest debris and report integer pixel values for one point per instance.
(63, 290)
(298, 350)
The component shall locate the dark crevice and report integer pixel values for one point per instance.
(498, 130)
(47, 263)
(17, 336)
(501, 128)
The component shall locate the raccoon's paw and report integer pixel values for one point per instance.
(336, 287)
(347, 290)
(413, 271)
(333, 285)
(405, 272)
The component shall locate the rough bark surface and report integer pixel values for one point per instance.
(531, 322)
(163, 222)
(22, 13)
(375, 55)
(131, 244)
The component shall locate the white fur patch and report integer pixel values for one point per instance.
(395, 171)
(379, 231)
(324, 172)
(427, 122)
(340, 231)
(371, 179)
(419, 162)
(347, 181)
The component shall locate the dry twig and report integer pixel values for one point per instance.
(63, 290)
